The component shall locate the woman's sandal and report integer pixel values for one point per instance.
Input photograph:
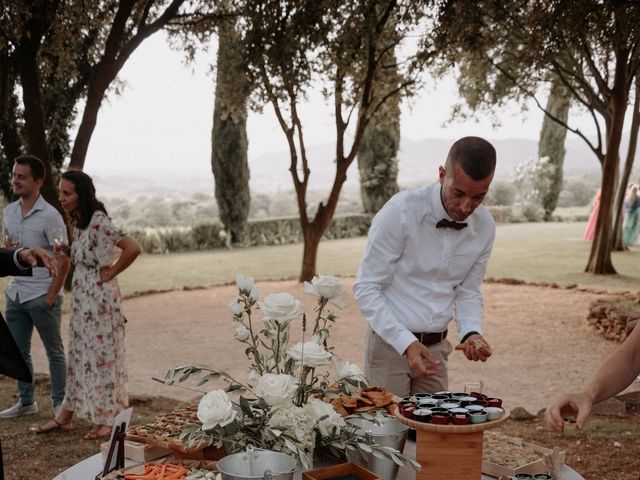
(55, 426)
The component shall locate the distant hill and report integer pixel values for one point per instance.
(419, 160)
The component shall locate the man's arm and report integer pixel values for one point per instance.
(384, 248)
(62, 264)
(469, 307)
(617, 373)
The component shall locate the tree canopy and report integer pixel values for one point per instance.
(505, 50)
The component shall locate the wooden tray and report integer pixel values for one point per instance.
(181, 450)
(430, 427)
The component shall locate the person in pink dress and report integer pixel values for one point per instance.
(593, 218)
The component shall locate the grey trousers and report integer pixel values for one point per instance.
(385, 367)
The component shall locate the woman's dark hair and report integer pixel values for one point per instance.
(87, 201)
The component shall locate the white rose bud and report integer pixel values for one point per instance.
(350, 370)
(241, 333)
(325, 286)
(310, 354)
(281, 307)
(276, 390)
(252, 375)
(254, 294)
(325, 416)
(215, 409)
(236, 307)
(244, 284)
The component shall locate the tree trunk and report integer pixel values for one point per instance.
(378, 150)
(312, 236)
(600, 255)
(34, 115)
(551, 144)
(10, 141)
(229, 162)
(618, 244)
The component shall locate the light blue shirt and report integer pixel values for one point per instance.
(413, 275)
(35, 229)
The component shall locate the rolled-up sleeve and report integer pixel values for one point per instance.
(467, 295)
(384, 247)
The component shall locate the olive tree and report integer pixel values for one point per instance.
(508, 49)
(338, 46)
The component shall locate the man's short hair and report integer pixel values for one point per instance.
(475, 155)
(38, 172)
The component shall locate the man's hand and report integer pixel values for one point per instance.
(476, 348)
(421, 360)
(38, 257)
(575, 405)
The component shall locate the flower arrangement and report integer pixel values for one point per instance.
(280, 406)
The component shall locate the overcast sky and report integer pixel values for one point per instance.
(161, 123)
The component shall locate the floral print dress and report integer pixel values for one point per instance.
(96, 375)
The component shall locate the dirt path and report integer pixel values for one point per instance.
(540, 342)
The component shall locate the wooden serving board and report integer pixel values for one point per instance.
(181, 450)
(430, 427)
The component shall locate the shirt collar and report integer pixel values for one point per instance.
(436, 203)
(38, 205)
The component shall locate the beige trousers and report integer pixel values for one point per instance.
(385, 367)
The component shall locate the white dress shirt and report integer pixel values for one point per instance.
(412, 274)
(32, 230)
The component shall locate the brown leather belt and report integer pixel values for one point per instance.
(431, 338)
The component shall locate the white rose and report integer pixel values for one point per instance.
(236, 307)
(215, 409)
(281, 307)
(314, 355)
(276, 390)
(244, 284)
(325, 416)
(327, 287)
(350, 370)
(241, 333)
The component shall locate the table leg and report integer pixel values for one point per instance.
(445, 456)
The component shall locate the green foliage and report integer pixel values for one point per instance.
(533, 180)
(377, 153)
(229, 135)
(551, 144)
(501, 193)
(274, 231)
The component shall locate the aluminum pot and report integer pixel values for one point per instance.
(387, 432)
(257, 464)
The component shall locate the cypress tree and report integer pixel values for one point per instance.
(551, 144)
(229, 134)
(378, 149)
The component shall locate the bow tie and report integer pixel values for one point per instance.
(444, 223)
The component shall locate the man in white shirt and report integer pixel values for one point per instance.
(424, 263)
(35, 301)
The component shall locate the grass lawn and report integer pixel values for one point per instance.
(533, 252)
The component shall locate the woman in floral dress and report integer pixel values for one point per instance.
(96, 374)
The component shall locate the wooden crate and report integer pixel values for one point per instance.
(139, 452)
(343, 469)
(532, 468)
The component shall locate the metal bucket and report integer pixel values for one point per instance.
(387, 432)
(257, 464)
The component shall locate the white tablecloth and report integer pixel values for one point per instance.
(90, 467)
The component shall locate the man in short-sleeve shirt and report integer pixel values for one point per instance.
(35, 301)
(424, 263)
